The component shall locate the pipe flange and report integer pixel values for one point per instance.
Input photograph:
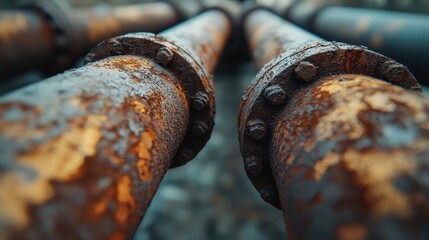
(279, 80)
(187, 70)
(57, 14)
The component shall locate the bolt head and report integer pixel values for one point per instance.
(393, 71)
(306, 71)
(185, 155)
(201, 101)
(269, 194)
(256, 129)
(199, 128)
(61, 41)
(90, 57)
(253, 165)
(275, 95)
(164, 56)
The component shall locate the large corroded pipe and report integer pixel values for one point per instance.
(50, 35)
(84, 152)
(335, 136)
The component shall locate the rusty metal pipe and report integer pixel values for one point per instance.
(51, 36)
(101, 22)
(83, 152)
(401, 36)
(24, 33)
(207, 46)
(268, 39)
(350, 156)
(335, 136)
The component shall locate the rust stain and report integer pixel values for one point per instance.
(57, 159)
(100, 208)
(118, 235)
(352, 231)
(10, 25)
(377, 177)
(343, 117)
(126, 201)
(380, 101)
(322, 165)
(144, 154)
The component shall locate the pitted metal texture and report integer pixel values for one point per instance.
(291, 71)
(196, 83)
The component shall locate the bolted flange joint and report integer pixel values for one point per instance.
(286, 75)
(188, 71)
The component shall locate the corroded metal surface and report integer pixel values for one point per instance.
(203, 37)
(350, 157)
(96, 24)
(84, 152)
(293, 69)
(51, 36)
(191, 56)
(268, 36)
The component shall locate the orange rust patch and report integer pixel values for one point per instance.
(118, 235)
(58, 159)
(143, 151)
(139, 107)
(376, 171)
(100, 208)
(322, 165)
(12, 24)
(352, 232)
(125, 199)
(344, 112)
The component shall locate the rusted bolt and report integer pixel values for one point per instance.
(201, 101)
(185, 156)
(199, 128)
(254, 165)
(61, 41)
(269, 194)
(305, 71)
(164, 56)
(393, 70)
(118, 48)
(256, 129)
(275, 95)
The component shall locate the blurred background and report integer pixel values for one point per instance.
(211, 197)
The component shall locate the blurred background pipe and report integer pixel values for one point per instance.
(398, 35)
(51, 36)
(335, 135)
(401, 36)
(84, 152)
